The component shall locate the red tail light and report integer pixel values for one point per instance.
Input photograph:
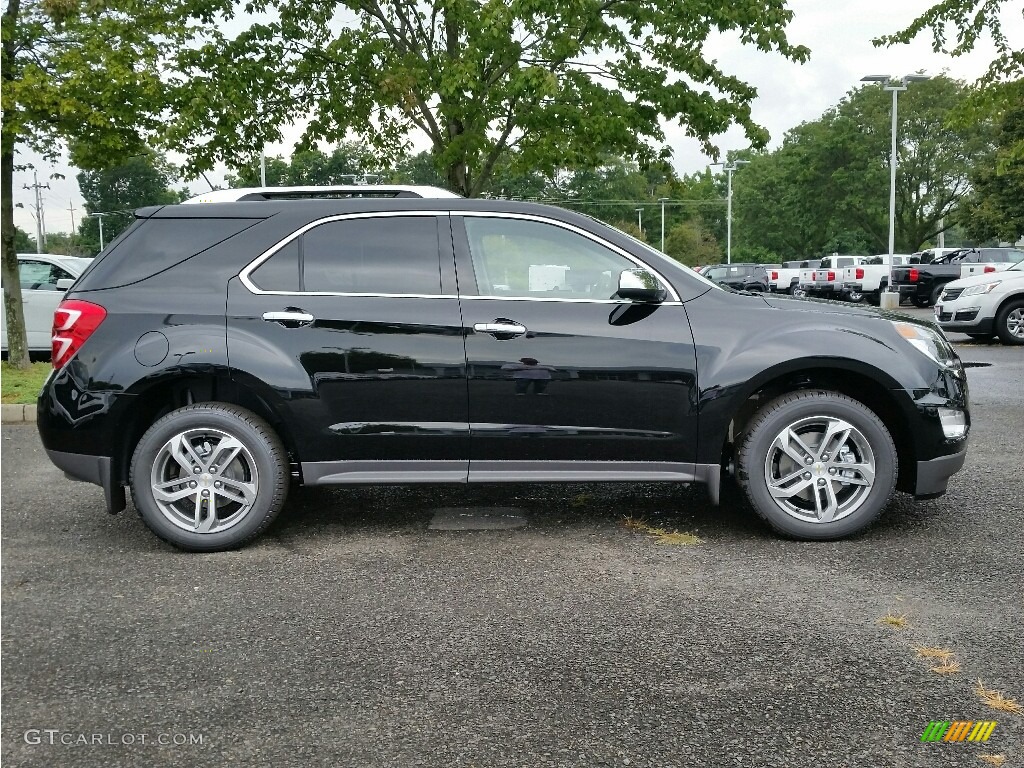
(831, 276)
(860, 273)
(913, 275)
(814, 277)
(775, 275)
(989, 269)
(73, 322)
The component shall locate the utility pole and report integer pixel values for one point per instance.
(662, 200)
(640, 220)
(38, 205)
(263, 169)
(71, 207)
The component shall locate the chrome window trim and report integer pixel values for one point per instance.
(245, 275)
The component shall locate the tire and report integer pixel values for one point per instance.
(920, 303)
(798, 292)
(1010, 322)
(791, 509)
(855, 296)
(248, 492)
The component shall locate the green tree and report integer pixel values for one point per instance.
(85, 75)
(23, 242)
(995, 209)
(347, 163)
(561, 84)
(143, 179)
(690, 243)
(956, 27)
(65, 244)
(827, 188)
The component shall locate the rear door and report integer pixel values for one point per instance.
(354, 323)
(567, 381)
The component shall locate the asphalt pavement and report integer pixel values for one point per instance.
(354, 634)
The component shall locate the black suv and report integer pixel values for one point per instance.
(740, 277)
(216, 353)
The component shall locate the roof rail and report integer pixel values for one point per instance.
(246, 194)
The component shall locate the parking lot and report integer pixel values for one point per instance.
(354, 634)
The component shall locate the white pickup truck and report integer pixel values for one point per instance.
(786, 277)
(869, 279)
(1003, 259)
(827, 280)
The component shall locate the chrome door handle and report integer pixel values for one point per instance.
(299, 318)
(500, 328)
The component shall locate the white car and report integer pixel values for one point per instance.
(44, 280)
(986, 305)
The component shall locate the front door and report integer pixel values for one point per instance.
(349, 324)
(567, 381)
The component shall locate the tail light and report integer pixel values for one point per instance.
(913, 275)
(73, 323)
(775, 275)
(989, 269)
(831, 276)
(814, 277)
(860, 273)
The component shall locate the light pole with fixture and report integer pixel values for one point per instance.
(640, 220)
(729, 168)
(895, 85)
(662, 200)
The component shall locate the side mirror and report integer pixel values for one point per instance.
(64, 283)
(640, 285)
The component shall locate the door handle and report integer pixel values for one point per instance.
(297, 317)
(500, 327)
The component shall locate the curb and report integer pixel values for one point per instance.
(18, 414)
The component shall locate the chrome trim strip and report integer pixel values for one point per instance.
(580, 471)
(244, 275)
(383, 472)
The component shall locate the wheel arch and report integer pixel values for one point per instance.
(869, 386)
(158, 396)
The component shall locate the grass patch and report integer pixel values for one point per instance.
(997, 700)
(895, 620)
(926, 652)
(947, 667)
(17, 386)
(993, 759)
(662, 535)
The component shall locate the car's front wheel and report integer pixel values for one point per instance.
(1010, 322)
(209, 477)
(817, 465)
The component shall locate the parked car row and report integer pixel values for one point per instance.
(924, 284)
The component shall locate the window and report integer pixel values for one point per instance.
(392, 254)
(41, 275)
(516, 257)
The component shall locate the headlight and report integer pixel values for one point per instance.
(930, 342)
(974, 290)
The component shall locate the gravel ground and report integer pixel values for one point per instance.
(354, 635)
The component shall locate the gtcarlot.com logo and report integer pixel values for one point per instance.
(57, 737)
(958, 730)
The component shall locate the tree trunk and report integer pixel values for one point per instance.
(14, 317)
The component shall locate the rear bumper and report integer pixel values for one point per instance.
(91, 469)
(933, 476)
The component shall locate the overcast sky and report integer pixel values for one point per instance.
(838, 33)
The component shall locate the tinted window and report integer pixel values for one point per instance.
(281, 271)
(393, 254)
(41, 275)
(515, 257)
(156, 245)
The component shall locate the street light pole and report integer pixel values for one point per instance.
(895, 86)
(662, 200)
(640, 220)
(729, 168)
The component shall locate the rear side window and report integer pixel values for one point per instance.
(157, 245)
(385, 255)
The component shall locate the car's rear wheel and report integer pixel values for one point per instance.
(209, 477)
(1010, 322)
(799, 292)
(855, 296)
(817, 465)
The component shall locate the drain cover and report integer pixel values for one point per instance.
(477, 519)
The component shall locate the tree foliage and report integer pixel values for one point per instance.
(350, 162)
(23, 241)
(827, 188)
(85, 75)
(142, 179)
(692, 244)
(562, 84)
